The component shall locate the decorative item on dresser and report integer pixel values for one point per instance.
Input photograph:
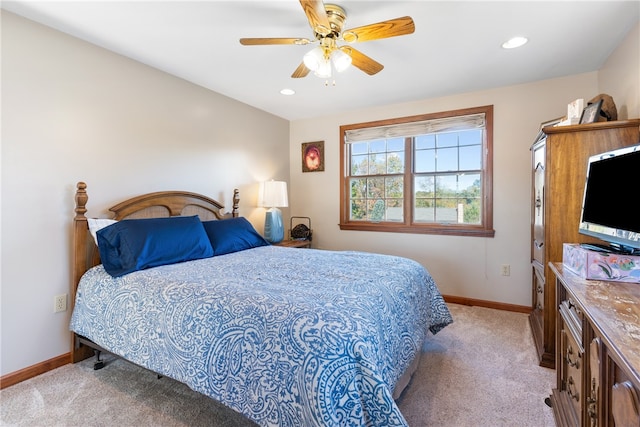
(559, 164)
(300, 235)
(598, 362)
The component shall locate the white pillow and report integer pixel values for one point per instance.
(96, 224)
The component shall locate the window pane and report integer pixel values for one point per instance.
(470, 137)
(471, 210)
(377, 164)
(376, 210)
(375, 188)
(424, 186)
(358, 188)
(447, 159)
(471, 157)
(377, 146)
(447, 210)
(395, 210)
(359, 148)
(394, 187)
(425, 161)
(358, 210)
(469, 184)
(395, 162)
(447, 140)
(395, 144)
(359, 165)
(425, 141)
(446, 186)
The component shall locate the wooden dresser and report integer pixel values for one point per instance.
(597, 352)
(559, 166)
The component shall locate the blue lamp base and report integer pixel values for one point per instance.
(273, 227)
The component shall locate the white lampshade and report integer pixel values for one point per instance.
(313, 58)
(340, 60)
(273, 194)
(324, 71)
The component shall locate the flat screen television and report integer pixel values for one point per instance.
(610, 204)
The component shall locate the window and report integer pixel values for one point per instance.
(422, 174)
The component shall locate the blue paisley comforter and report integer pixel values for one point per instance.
(288, 337)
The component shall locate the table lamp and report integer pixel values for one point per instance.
(273, 195)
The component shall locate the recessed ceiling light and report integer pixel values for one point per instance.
(287, 91)
(514, 42)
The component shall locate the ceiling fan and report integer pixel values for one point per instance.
(327, 22)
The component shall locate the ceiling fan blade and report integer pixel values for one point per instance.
(265, 41)
(380, 30)
(317, 16)
(362, 61)
(301, 71)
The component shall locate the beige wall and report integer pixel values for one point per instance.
(74, 112)
(462, 266)
(620, 76)
(465, 266)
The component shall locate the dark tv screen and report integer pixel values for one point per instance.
(612, 192)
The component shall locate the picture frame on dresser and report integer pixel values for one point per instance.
(551, 122)
(591, 113)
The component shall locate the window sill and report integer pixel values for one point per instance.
(456, 230)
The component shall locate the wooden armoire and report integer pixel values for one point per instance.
(559, 161)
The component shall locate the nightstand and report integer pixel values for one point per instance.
(294, 243)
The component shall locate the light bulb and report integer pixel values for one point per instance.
(313, 58)
(340, 60)
(324, 70)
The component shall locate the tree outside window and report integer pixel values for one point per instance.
(422, 174)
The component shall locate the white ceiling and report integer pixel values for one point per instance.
(455, 48)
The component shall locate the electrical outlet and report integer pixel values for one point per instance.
(60, 303)
(505, 270)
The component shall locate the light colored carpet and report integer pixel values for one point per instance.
(479, 371)
(482, 370)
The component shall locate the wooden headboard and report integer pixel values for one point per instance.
(151, 205)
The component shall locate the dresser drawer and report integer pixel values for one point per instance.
(573, 318)
(572, 356)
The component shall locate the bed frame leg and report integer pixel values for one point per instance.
(98, 364)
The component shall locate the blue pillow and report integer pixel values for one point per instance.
(233, 235)
(135, 244)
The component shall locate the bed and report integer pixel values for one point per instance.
(287, 337)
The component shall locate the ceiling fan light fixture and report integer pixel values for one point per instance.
(340, 60)
(313, 58)
(327, 22)
(324, 70)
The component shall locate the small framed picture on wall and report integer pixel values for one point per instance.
(313, 156)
